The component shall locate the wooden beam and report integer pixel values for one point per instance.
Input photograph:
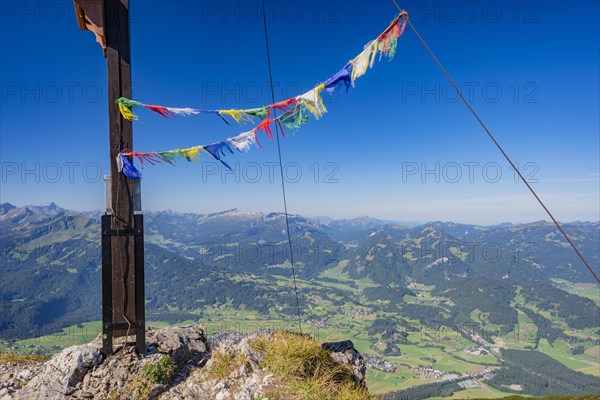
(90, 17)
(125, 252)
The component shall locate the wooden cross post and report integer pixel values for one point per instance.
(123, 312)
(123, 269)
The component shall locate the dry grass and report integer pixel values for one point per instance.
(306, 370)
(585, 397)
(19, 358)
(223, 364)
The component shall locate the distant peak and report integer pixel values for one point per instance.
(6, 208)
(50, 209)
(226, 212)
(536, 223)
(232, 213)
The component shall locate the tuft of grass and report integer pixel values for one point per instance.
(19, 358)
(160, 372)
(306, 370)
(518, 397)
(139, 390)
(224, 364)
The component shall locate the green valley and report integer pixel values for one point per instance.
(428, 311)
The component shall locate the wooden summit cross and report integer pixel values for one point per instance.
(123, 311)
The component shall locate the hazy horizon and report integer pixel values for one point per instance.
(310, 216)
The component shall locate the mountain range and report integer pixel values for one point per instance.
(51, 257)
(393, 279)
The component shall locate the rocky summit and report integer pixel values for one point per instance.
(180, 363)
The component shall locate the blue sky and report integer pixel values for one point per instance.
(397, 146)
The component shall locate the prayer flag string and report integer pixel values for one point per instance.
(294, 110)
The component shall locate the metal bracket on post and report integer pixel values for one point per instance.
(140, 295)
(108, 323)
(107, 309)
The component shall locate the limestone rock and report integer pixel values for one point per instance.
(62, 373)
(13, 376)
(182, 344)
(345, 353)
(182, 364)
(81, 372)
(243, 382)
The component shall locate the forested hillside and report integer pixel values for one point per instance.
(457, 299)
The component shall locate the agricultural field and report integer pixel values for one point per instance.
(410, 346)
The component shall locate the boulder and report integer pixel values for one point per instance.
(182, 344)
(244, 382)
(62, 373)
(345, 353)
